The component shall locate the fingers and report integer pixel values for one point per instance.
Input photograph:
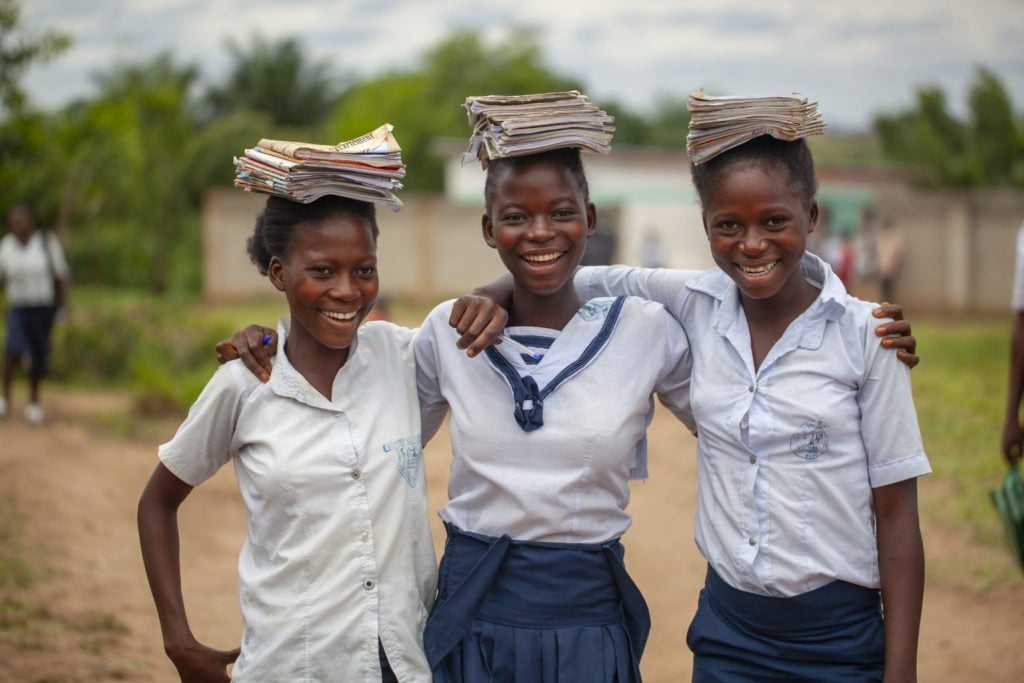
(230, 656)
(479, 321)
(489, 335)
(907, 358)
(226, 351)
(888, 310)
(255, 354)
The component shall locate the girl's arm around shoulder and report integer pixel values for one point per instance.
(666, 286)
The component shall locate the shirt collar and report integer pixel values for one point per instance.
(287, 382)
(829, 306)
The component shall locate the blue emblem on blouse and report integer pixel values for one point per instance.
(595, 309)
(410, 458)
(811, 442)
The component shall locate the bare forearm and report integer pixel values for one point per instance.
(1016, 379)
(158, 538)
(499, 291)
(901, 569)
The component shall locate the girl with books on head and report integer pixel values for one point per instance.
(337, 572)
(533, 584)
(809, 448)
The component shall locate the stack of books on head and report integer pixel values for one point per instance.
(368, 168)
(721, 123)
(517, 125)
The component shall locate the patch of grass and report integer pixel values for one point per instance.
(16, 571)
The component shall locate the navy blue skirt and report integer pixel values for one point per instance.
(28, 334)
(833, 633)
(525, 612)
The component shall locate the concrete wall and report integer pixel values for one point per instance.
(960, 244)
(432, 249)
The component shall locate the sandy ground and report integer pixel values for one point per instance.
(69, 494)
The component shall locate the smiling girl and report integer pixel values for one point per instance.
(808, 449)
(337, 571)
(532, 583)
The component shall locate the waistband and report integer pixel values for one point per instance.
(816, 611)
(532, 584)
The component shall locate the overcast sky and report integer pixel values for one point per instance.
(855, 58)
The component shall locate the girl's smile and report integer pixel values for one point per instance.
(757, 225)
(329, 277)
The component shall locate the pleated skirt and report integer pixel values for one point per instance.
(833, 633)
(522, 612)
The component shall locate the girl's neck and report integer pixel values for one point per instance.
(553, 311)
(768, 319)
(314, 361)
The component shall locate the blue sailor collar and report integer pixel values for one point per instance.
(591, 328)
(829, 306)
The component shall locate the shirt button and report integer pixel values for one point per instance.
(365, 535)
(751, 388)
(369, 584)
(753, 540)
(356, 474)
(753, 459)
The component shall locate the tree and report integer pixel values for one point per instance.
(278, 80)
(987, 149)
(17, 53)
(424, 103)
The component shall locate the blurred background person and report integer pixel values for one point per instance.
(889, 251)
(1013, 434)
(35, 275)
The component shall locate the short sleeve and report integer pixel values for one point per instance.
(203, 442)
(666, 286)
(1018, 273)
(673, 386)
(889, 428)
(433, 405)
(60, 262)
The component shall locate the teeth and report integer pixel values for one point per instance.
(541, 258)
(338, 315)
(759, 270)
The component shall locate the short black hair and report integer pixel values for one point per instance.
(793, 157)
(281, 217)
(566, 156)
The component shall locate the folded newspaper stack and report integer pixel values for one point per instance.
(367, 168)
(517, 125)
(721, 123)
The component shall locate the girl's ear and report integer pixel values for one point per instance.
(487, 228)
(275, 271)
(591, 219)
(814, 216)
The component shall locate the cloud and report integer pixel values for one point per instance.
(856, 58)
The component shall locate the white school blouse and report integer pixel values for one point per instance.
(25, 271)
(338, 551)
(1017, 300)
(787, 454)
(568, 480)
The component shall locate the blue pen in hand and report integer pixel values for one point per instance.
(266, 339)
(505, 339)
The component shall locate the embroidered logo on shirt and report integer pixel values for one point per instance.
(811, 442)
(596, 309)
(410, 458)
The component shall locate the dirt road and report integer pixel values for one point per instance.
(79, 609)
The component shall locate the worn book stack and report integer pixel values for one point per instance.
(516, 125)
(368, 168)
(721, 123)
